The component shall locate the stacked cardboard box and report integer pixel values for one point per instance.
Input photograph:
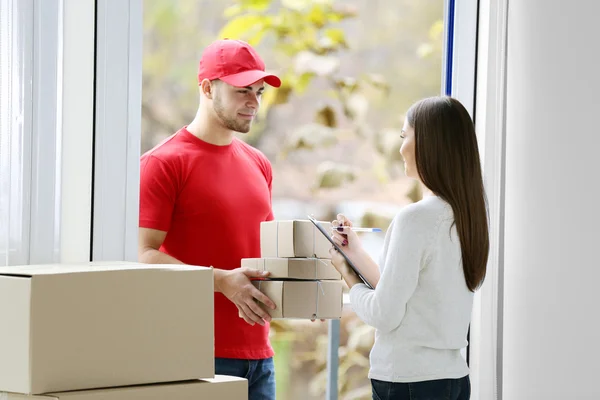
(302, 281)
(109, 331)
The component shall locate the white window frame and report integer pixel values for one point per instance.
(19, 28)
(44, 245)
(491, 97)
(477, 80)
(77, 115)
(56, 146)
(461, 37)
(489, 114)
(459, 63)
(117, 137)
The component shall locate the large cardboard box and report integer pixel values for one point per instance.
(293, 238)
(295, 268)
(84, 326)
(221, 387)
(303, 299)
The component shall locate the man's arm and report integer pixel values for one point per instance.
(235, 284)
(150, 241)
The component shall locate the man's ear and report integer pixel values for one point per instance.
(207, 88)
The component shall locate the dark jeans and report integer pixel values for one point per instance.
(441, 389)
(259, 373)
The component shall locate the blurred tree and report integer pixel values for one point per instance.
(307, 39)
(174, 35)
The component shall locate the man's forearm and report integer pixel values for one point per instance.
(219, 274)
(153, 256)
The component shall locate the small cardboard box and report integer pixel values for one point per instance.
(303, 299)
(293, 238)
(295, 268)
(220, 387)
(93, 325)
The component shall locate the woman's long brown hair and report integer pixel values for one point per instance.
(448, 163)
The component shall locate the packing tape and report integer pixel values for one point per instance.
(276, 238)
(319, 286)
(317, 261)
(315, 241)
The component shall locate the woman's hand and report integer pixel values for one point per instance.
(340, 264)
(345, 238)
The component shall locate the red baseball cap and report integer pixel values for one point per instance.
(234, 62)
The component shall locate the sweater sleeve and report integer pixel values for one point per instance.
(385, 306)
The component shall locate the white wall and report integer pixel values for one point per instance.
(552, 225)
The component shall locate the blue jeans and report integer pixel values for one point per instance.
(441, 389)
(259, 373)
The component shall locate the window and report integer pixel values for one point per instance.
(332, 132)
(16, 47)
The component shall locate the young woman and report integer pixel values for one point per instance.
(434, 258)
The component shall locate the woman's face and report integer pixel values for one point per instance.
(407, 150)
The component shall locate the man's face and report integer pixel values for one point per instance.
(236, 107)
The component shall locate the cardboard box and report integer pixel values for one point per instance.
(84, 326)
(303, 299)
(293, 238)
(295, 268)
(221, 387)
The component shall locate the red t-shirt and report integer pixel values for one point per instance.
(210, 200)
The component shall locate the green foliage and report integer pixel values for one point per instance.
(301, 33)
(306, 36)
(307, 41)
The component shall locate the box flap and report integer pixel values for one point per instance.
(304, 299)
(274, 291)
(300, 299)
(15, 303)
(278, 267)
(285, 239)
(308, 241)
(68, 268)
(268, 239)
(221, 387)
(224, 379)
(254, 263)
(187, 390)
(19, 396)
(330, 300)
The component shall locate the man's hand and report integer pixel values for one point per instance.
(238, 288)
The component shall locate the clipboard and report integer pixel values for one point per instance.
(350, 263)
